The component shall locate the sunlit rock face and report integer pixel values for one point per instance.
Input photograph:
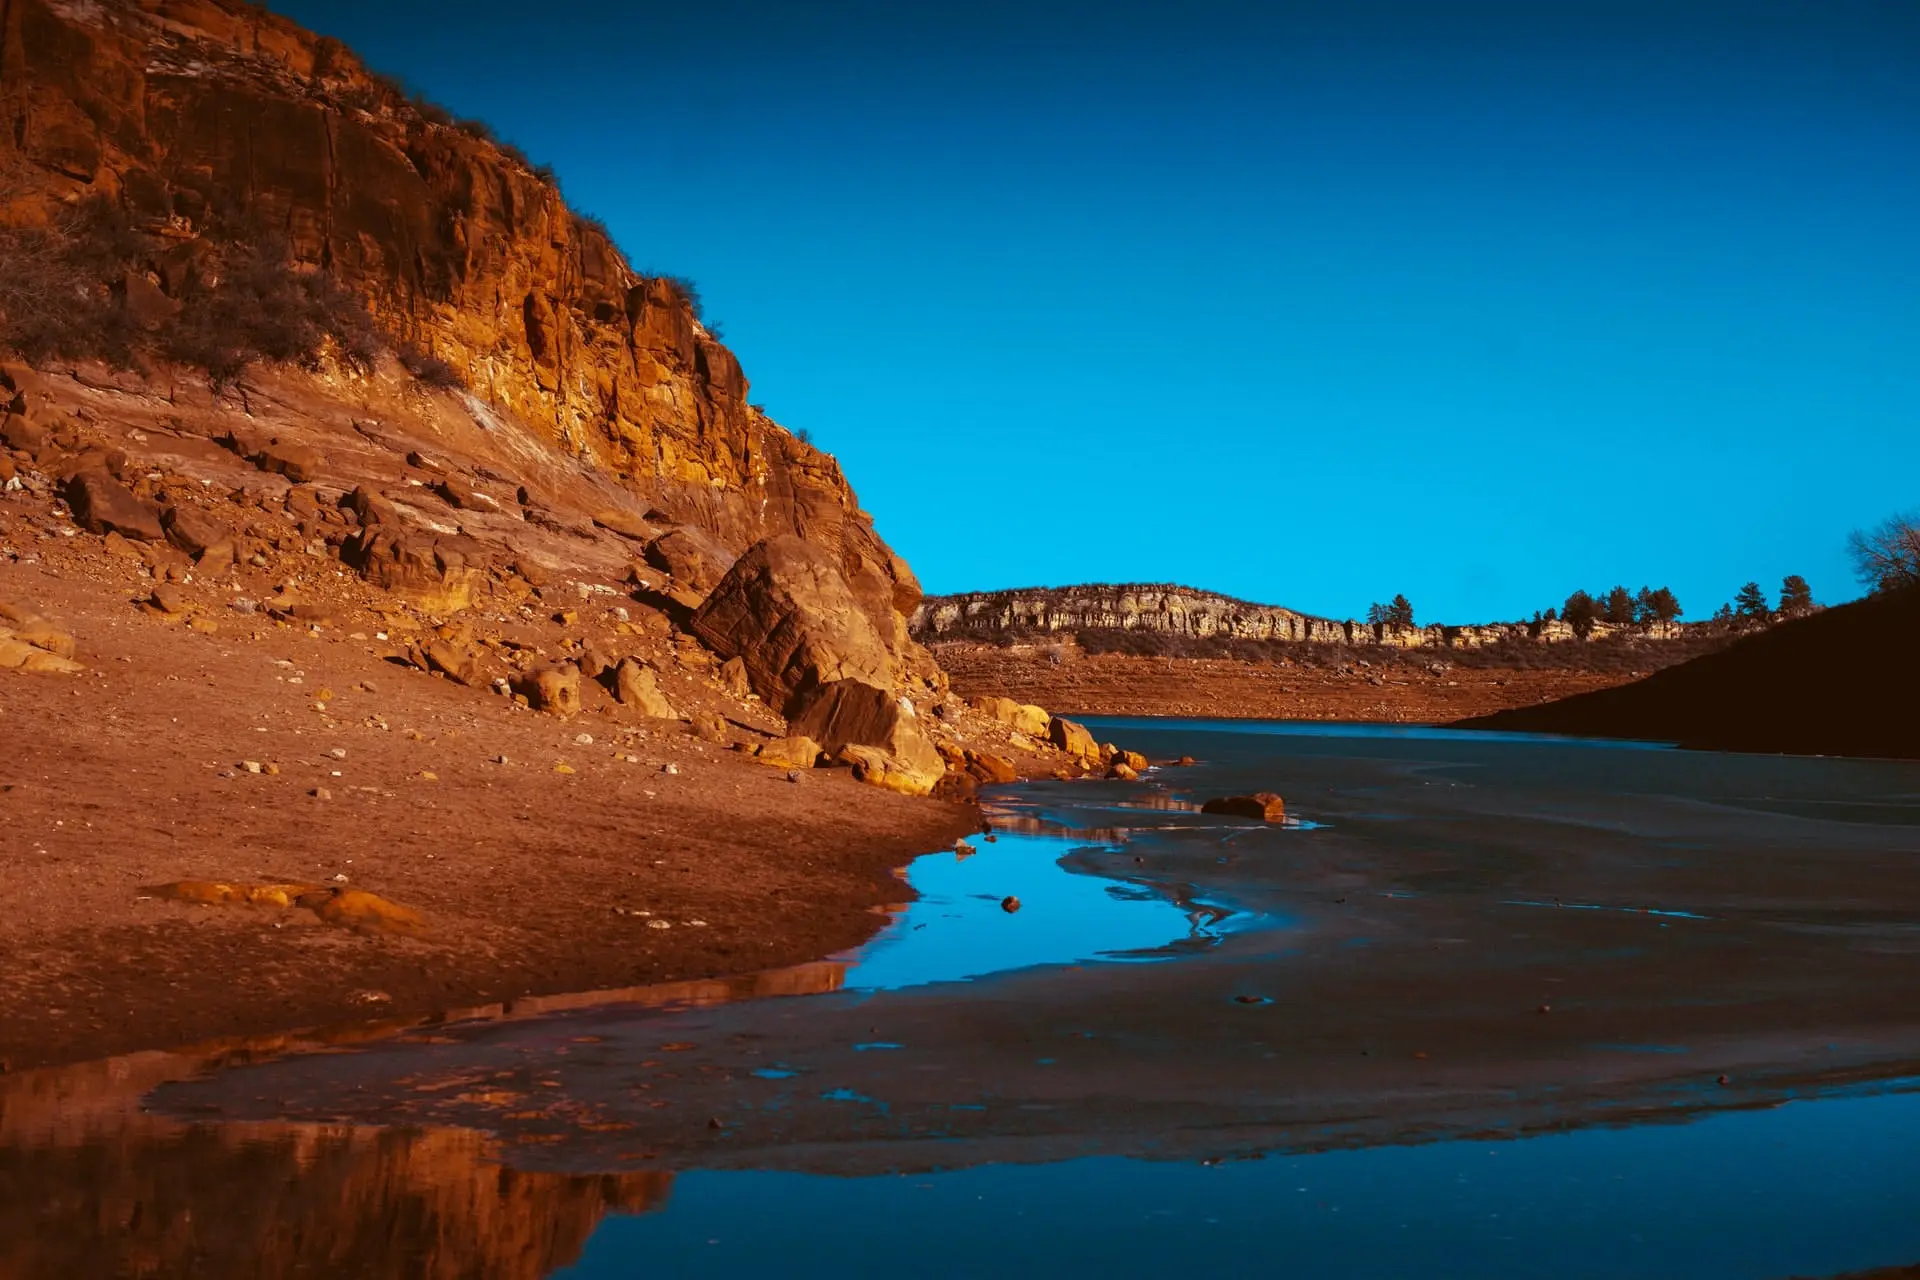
(198, 115)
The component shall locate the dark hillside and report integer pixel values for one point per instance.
(1842, 682)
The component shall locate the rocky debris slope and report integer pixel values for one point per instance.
(1841, 682)
(393, 516)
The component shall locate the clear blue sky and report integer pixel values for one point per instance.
(1310, 303)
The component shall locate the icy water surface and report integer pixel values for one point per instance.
(1488, 1006)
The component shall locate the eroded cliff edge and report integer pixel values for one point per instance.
(185, 113)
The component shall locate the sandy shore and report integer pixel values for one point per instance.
(531, 878)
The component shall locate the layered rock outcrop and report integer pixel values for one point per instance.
(1188, 613)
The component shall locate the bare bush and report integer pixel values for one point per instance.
(429, 368)
(67, 289)
(1887, 556)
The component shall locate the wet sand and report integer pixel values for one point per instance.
(1482, 937)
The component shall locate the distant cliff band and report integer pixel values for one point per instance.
(1173, 610)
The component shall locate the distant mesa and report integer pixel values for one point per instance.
(1169, 609)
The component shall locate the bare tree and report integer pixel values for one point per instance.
(1887, 556)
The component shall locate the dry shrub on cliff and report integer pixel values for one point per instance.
(55, 287)
(258, 308)
(430, 369)
(88, 286)
(689, 293)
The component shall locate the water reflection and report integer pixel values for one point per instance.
(1800, 1190)
(958, 928)
(92, 1186)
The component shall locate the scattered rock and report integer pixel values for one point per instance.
(1072, 738)
(987, 767)
(557, 689)
(797, 752)
(168, 599)
(297, 462)
(102, 504)
(1123, 773)
(709, 726)
(1020, 717)
(637, 687)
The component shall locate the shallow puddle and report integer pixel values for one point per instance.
(961, 926)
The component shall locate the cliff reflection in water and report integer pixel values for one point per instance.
(91, 1186)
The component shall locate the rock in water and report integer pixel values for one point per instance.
(1262, 806)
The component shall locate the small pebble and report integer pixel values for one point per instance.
(251, 766)
(338, 753)
(659, 924)
(582, 739)
(1009, 904)
(321, 793)
(670, 767)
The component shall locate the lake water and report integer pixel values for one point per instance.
(1488, 1006)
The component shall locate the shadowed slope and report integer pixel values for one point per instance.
(1843, 682)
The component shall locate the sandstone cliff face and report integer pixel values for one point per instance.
(189, 112)
(1182, 611)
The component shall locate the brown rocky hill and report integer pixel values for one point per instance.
(1841, 682)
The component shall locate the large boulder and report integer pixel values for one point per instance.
(102, 504)
(787, 613)
(851, 714)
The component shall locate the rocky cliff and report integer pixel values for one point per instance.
(1183, 611)
(188, 114)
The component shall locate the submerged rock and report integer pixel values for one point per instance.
(1261, 806)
